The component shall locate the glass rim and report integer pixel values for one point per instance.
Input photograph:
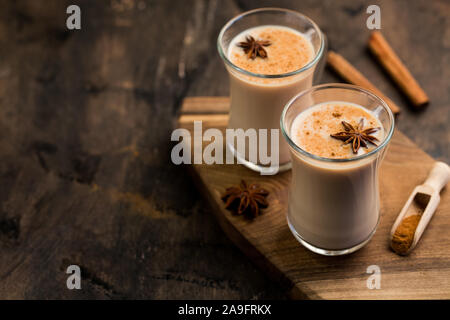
(345, 86)
(310, 64)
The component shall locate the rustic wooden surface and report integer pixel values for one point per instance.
(85, 121)
(269, 243)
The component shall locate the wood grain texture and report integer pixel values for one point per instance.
(85, 124)
(424, 274)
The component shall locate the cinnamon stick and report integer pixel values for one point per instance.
(387, 57)
(352, 75)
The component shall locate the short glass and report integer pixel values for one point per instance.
(257, 100)
(334, 204)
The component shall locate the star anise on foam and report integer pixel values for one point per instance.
(356, 135)
(254, 48)
(246, 199)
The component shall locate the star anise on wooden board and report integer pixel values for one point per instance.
(254, 48)
(246, 199)
(356, 135)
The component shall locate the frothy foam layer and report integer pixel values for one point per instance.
(289, 50)
(312, 128)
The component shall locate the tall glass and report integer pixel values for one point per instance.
(334, 204)
(257, 100)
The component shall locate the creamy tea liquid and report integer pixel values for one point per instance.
(333, 205)
(258, 102)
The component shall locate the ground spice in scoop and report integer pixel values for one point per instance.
(404, 234)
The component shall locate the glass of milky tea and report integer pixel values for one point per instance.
(338, 135)
(271, 54)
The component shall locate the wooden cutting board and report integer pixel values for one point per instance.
(424, 274)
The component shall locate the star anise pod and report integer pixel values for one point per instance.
(246, 199)
(254, 48)
(356, 135)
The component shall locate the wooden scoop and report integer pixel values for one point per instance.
(422, 202)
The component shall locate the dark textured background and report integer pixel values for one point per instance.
(85, 121)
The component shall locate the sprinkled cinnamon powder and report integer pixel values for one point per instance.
(289, 50)
(404, 234)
